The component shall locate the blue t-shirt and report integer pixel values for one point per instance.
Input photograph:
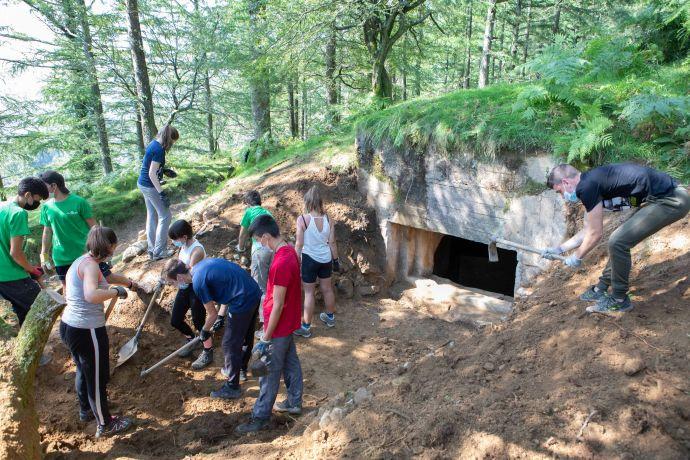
(226, 283)
(154, 152)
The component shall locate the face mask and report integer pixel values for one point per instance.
(570, 196)
(178, 244)
(32, 206)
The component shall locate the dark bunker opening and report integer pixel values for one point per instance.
(467, 263)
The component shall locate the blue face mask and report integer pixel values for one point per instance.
(570, 196)
(178, 244)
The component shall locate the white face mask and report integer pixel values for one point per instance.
(570, 196)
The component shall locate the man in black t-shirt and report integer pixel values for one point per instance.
(661, 200)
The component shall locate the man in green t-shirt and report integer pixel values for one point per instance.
(17, 275)
(66, 221)
(261, 256)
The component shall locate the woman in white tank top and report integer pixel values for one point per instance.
(191, 253)
(318, 254)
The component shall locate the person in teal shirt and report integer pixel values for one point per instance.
(66, 220)
(17, 276)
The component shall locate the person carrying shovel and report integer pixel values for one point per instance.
(82, 329)
(224, 283)
(660, 199)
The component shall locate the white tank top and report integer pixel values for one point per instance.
(316, 242)
(78, 312)
(186, 256)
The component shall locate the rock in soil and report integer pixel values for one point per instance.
(365, 291)
(633, 366)
(362, 395)
(345, 287)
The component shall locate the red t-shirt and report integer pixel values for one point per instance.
(284, 272)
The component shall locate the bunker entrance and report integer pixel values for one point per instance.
(467, 263)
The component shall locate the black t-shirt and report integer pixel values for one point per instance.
(625, 180)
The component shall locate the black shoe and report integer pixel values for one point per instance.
(115, 425)
(86, 416)
(257, 424)
(227, 392)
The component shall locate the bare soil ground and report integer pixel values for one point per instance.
(520, 389)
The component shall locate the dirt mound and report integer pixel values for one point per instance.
(551, 382)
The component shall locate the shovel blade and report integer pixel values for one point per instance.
(127, 351)
(493, 252)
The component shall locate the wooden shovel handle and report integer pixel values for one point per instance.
(109, 310)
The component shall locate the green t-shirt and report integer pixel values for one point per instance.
(249, 215)
(67, 220)
(14, 221)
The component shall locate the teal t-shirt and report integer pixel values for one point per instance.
(67, 220)
(250, 214)
(14, 221)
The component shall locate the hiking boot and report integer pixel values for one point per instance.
(227, 392)
(286, 407)
(303, 332)
(114, 426)
(204, 359)
(86, 415)
(163, 255)
(257, 424)
(592, 294)
(327, 320)
(189, 351)
(608, 304)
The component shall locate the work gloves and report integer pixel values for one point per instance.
(548, 253)
(36, 273)
(47, 264)
(218, 323)
(165, 199)
(261, 347)
(204, 335)
(572, 261)
(336, 265)
(239, 248)
(169, 172)
(121, 292)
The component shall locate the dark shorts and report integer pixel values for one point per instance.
(312, 269)
(21, 294)
(61, 270)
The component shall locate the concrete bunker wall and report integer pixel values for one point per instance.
(421, 196)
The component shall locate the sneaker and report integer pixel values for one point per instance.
(257, 424)
(286, 407)
(204, 359)
(163, 255)
(592, 294)
(227, 392)
(243, 376)
(328, 321)
(115, 425)
(608, 304)
(189, 351)
(86, 415)
(226, 373)
(303, 332)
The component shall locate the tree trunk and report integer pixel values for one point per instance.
(19, 437)
(500, 48)
(304, 109)
(259, 83)
(525, 49)
(404, 69)
(212, 145)
(381, 80)
(468, 64)
(141, 144)
(486, 49)
(516, 35)
(141, 72)
(557, 19)
(331, 88)
(294, 128)
(96, 102)
(3, 195)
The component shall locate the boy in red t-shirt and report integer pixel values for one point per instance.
(282, 311)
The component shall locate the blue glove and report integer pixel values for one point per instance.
(548, 253)
(572, 261)
(262, 347)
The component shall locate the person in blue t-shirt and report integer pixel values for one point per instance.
(157, 203)
(224, 283)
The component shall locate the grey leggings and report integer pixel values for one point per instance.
(157, 220)
(656, 214)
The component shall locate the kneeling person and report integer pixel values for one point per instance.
(224, 283)
(281, 310)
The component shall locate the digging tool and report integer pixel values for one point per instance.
(109, 310)
(493, 251)
(130, 348)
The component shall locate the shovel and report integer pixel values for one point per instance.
(109, 310)
(493, 251)
(130, 348)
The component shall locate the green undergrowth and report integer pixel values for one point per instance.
(603, 101)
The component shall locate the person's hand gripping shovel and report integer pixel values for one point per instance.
(130, 348)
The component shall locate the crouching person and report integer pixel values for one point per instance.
(223, 283)
(82, 329)
(281, 310)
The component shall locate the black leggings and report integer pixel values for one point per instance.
(21, 294)
(184, 301)
(89, 349)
